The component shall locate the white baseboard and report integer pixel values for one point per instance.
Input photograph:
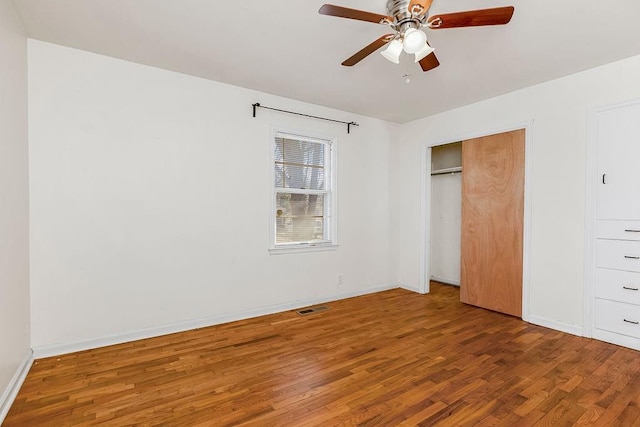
(409, 288)
(536, 320)
(618, 339)
(557, 325)
(10, 393)
(64, 348)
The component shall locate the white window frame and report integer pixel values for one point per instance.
(330, 222)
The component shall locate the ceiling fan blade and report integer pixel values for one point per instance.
(368, 50)
(424, 5)
(360, 15)
(472, 18)
(429, 62)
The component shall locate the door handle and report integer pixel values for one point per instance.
(631, 321)
(631, 257)
(629, 230)
(629, 288)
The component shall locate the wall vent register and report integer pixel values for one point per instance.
(311, 310)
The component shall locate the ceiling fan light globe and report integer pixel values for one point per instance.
(422, 53)
(393, 51)
(414, 40)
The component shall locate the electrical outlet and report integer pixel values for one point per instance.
(340, 282)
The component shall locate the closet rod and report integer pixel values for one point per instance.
(445, 172)
(349, 124)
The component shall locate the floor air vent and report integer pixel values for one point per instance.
(311, 310)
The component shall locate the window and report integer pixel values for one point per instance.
(303, 193)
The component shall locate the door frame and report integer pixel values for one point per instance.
(425, 209)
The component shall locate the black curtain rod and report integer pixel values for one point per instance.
(349, 124)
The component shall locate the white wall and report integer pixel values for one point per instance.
(14, 207)
(149, 196)
(558, 136)
(446, 228)
(150, 202)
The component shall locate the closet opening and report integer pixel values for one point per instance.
(445, 203)
(476, 220)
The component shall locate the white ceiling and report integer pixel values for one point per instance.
(287, 48)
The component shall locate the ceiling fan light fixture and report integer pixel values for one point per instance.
(422, 53)
(414, 40)
(393, 51)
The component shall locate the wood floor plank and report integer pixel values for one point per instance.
(391, 358)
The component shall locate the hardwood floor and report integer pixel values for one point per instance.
(392, 358)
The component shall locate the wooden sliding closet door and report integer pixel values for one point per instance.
(492, 222)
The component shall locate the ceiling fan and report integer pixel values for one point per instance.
(407, 18)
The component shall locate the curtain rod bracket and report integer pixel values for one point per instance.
(349, 124)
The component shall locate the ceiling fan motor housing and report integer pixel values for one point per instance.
(399, 9)
(404, 20)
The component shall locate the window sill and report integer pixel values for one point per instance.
(302, 248)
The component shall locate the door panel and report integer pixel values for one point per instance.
(492, 222)
(618, 151)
